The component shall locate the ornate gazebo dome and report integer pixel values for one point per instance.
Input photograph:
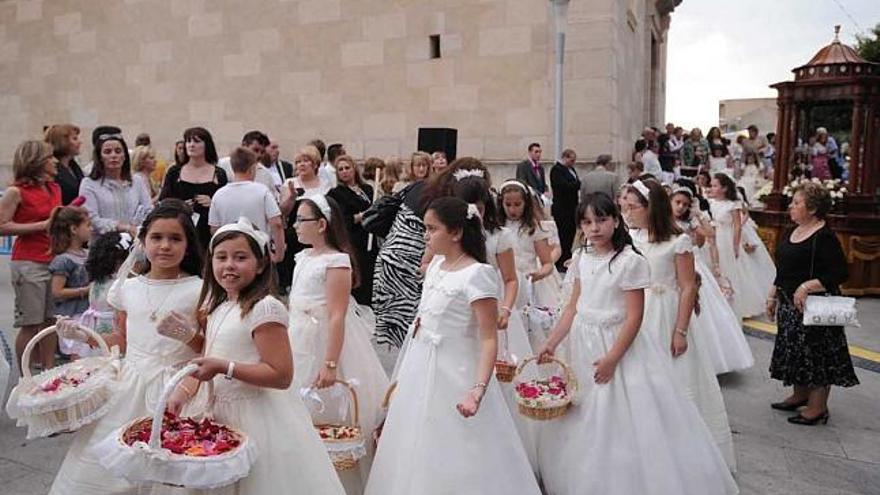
(836, 61)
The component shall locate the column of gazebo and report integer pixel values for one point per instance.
(871, 160)
(855, 150)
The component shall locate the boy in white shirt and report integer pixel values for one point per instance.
(245, 198)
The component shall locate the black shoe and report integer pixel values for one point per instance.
(788, 406)
(802, 420)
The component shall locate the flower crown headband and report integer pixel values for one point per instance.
(321, 202)
(247, 228)
(462, 173)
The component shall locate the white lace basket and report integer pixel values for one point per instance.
(538, 318)
(345, 453)
(831, 311)
(150, 463)
(68, 397)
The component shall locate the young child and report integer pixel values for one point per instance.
(628, 403)
(716, 328)
(670, 302)
(726, 207)
(106, 255)
(247, 343)
(533, 253)
(448, 429)
(169, 284)
(69, 231)
(331, 341)
(752, 178)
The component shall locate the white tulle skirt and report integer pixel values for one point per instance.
(637, 434)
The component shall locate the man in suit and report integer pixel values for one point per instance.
(281, 170)
(600, 179)
(565, 185)
(530, 171)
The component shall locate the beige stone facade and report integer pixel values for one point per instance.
(358, 72)
(738, 114)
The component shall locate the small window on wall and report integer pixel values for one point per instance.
(435, 45)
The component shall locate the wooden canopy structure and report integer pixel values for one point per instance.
(836, 76)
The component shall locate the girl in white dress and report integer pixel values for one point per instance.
(748, 300)
(533, 253)
(716, 328)
(669, 304)
(170, 284)
(759, 266)
(448, 429)
(513, 340)
(247, 345)
(631, 430)
(331, 342)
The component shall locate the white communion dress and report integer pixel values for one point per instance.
(693, 369)
(638, 433)
(517, 342)
(760, 270)
(427, 447)
(716, 329)
(748, 299)
(150, 360)
(357, 364)
(291, 458)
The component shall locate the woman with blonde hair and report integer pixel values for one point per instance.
(419, 169)
(25, 209)
(143, 162)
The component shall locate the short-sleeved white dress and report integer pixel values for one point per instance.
(358, 362)
(638, 433)
(427, 447)
(150, 360)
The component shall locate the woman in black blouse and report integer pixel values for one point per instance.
(354, 196)
(809, 260)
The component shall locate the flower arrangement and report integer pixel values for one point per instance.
(543, 393)
(336, 432)
(835, 187)
(186, 436)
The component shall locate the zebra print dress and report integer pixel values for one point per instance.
(398, 281)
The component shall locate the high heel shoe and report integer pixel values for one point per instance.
(802, 420)
(788, 406)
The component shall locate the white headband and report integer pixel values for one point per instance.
(245, 227)
(642, 189)
(321, 202)
(682, 189)
(515, 183)
(125, 241)
(461, 174)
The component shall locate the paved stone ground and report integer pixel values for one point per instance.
(774, 457)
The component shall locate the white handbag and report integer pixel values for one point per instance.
(829, 311)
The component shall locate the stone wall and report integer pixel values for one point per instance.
(353, 71)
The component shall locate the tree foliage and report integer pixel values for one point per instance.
(869, 46)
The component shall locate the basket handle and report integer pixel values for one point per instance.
(354, 402)
(155, 432)
(386, 401)
(29, 348)
(570, 378)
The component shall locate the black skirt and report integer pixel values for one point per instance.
(809, 356)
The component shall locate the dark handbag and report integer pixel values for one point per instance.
(379, 217)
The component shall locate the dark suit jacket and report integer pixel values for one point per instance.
(565, 186)
(286, 169)
(525, 174)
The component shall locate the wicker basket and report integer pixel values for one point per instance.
(345, 453)
(554, 410)
(505, 371)
(60, 410)
(150, 463)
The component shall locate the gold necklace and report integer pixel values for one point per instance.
(153, 314)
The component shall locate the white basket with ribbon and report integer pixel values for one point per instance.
(160, 458)
(68, 397)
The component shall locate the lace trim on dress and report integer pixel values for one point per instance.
(268, 310)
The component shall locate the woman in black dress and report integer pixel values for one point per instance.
(809, 260)
(354, 196)
(196, 181)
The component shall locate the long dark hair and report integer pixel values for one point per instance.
(690, 185)
(61, 221)
(98, 169)
(453, 213)
(728, 185)
(476, 190)
(106, 254)
(174, 208)
(529, 220)
(661, 224)
(204, 136)
(213, 294)
(440, 185)
(336, 234)
(603, 206)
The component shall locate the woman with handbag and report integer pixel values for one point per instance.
(809, 260)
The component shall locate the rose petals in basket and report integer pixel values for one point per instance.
(65, 398)
(544, 399)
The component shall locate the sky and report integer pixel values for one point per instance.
(721, 49)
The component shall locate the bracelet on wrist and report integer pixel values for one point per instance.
(230, 369)
(507, 309)
(681, 332)
(189, 391)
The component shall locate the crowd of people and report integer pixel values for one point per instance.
(285, 277)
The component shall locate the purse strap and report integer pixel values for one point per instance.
(813, 255)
